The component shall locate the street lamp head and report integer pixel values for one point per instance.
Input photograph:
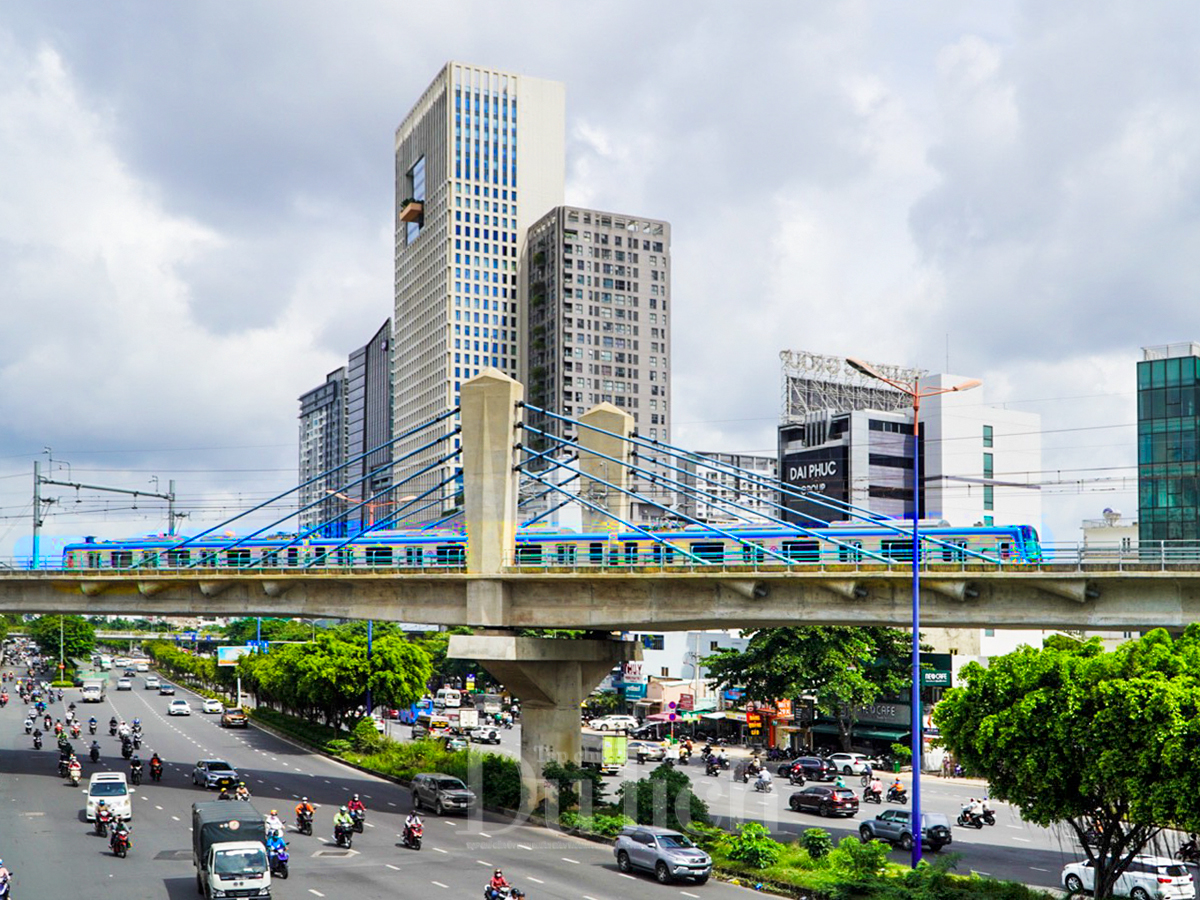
(865, 367)
(967, 385)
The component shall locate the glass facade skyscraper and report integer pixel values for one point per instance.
(1168, 382)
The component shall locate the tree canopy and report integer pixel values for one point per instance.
(1104, 740)
(843, 667)
(78, 636)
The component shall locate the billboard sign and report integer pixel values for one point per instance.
(823, 470)
(635, 690)
(229, 656)
(634, 673)
(687, 701)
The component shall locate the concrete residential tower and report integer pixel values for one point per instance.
(479, 158)
(598, 325)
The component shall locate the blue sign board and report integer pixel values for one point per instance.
(635, 690)
(733, 694)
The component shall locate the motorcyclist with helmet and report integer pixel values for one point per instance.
(74, 770)
(304, 815)
(156, 767)
(357, 810)
(273, 823)
(242, 792)
(135, 769)
(342, 824)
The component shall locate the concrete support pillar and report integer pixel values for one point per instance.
(489, 417)
(616, 422)
(551, 678)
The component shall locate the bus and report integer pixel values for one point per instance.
(430, 725)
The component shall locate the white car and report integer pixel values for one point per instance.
(640, 750)
(124, 684)
(112, 788)
(152, 683)
(851, 763)
(1147, 877)
(213, 706)
(179, 707)
(614, 723)
(142, 667)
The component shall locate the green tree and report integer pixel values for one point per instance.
(78, 636)
(843, 667)
(663, 798)
(242, 630)
(1070, 733)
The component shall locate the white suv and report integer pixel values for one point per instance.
(1147, 877)
(614, 723)
(851, 763)
(112, 788)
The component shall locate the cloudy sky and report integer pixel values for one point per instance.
(196, 204)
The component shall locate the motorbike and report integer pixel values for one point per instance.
(135, 775)
(897, 795)
(504, 893)
(137, 741)
(712, 767)
(1188, 852)
(5, 888)
(966, 820)
(304, 822)
(343, 835)
(102, 820)
(112, 729)
(360, 817)
(37, 742)
(74, 729)
(989, 817)
(775, 755)
(412, 836)
(91, 727)
(28, 727)
(127, 750)
(74, 775)
(870, 796)
(155, 772)
(94, 754)
(279, 862)
(120, 843)
(763, 787)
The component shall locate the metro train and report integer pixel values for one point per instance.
(545, 547)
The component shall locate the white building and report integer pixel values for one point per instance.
(469, 183)
(675, 657)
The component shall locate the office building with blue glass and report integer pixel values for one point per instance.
(1168, 395)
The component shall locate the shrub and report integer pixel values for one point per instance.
(665, 798)
(858, 859)
(366, 736)
(567, 779)
(753, 845)
(338, 746)
(817, 842)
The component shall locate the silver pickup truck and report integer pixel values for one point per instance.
(894, 826)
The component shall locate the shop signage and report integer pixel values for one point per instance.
(935, 678)
(687, 701)
(634, 674)
(635, 690)
(754, 724)
(783, 708)
(733, 695)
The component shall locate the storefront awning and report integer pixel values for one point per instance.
(712, 715)
(862, 731)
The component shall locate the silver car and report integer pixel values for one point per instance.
(666, 853)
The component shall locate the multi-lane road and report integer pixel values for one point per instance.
(54, 853)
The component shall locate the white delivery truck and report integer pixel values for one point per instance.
(93, 690)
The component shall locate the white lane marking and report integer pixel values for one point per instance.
(524, 846)
(483, 834)
(630, 877)
(438, 883)
(176, 818)
(535, 880)
(686, 894)
(390, 866)
(482, 863)
(1024, 840)
(1018, 827)
(158, 807)
(438, 849)
(315, 891)
(586, 897)
(1036, 869)
(572, 861)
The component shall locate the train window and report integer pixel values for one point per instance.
(239, 557)
(596, 553)
(208, 559)
(270, 558)
(565, 554)
(345, 556)
(318, 555)
(451, 555)
(802, 551)
(709, 551)
(850, 552)
(753, 553)
(93, 558)
(1005, 549)
(664, 554)
(150, 558)
(529, 554)
(631, 553)
(414, 557)
(121, 559)
(901, 551)
(954, 553)
(379, 556)
(293, 556)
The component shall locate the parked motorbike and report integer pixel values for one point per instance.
(412, 836)
(279, 862)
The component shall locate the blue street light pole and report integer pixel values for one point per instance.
(913, 390)
(370, 631)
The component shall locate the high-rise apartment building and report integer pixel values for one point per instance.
(1168, 392)
(479, 158)
(346, 417)
(598, 326)
(728, 488)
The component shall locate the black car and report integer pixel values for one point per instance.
(813, 768)
(828, 801)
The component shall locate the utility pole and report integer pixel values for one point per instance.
(37, 514)
(370, 629)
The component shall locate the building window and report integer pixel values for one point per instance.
(664, 672)
(989, 521)
(988, 466)
(989, 497)
(987, 435)
(989, 632)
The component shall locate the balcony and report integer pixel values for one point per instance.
(412, 211)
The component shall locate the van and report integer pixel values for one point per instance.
(112, 788)
(447, 698)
